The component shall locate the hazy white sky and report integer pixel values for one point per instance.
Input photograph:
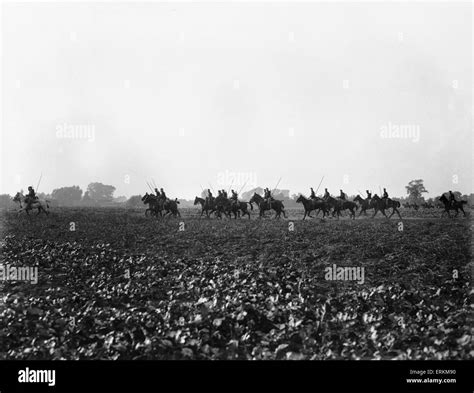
(184, 92)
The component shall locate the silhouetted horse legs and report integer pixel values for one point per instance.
(40, 209)
(352, 213)
(307, 213)
(446, 210)
(278, 213)
(203, 211)
(382, 210)
(393, 212)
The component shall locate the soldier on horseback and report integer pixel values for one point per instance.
(224, 193)
(234, 197)
(385, 197)
(268, 196)
(163, 195)
(452, 198)
(369, 195)
(31, 192)
(326, 194)
(157, 193)
(313, 195)
(209, 198)
(31, 197)
(342, 195)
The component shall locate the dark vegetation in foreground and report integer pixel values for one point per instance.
(245, 289)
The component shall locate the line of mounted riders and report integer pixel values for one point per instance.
(222, 204)
(228, 206)
(339, 204)
(159, 203)
(328, 204)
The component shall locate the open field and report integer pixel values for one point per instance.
(122, 286)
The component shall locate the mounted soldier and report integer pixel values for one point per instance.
(268, 196)
(385, 196)
(342, 195)
(224, 193)
(326, 194)
(369, 195)
(31, 197)
(209, 198)
(157, 193)
(234, 197)
(452, 198)
(31, 201)
(163, 195)
(313, 195)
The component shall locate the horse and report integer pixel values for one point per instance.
(206, 206)
(364, 204)
(380, 204)
(351, 206)
(455, 205)
(222, 205)
(154, 205)
(263, 205)
(171, 207)
(240, 206)
(341, 205)
(41, 204)
(312, 204)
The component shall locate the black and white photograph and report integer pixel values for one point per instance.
(227, 188)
